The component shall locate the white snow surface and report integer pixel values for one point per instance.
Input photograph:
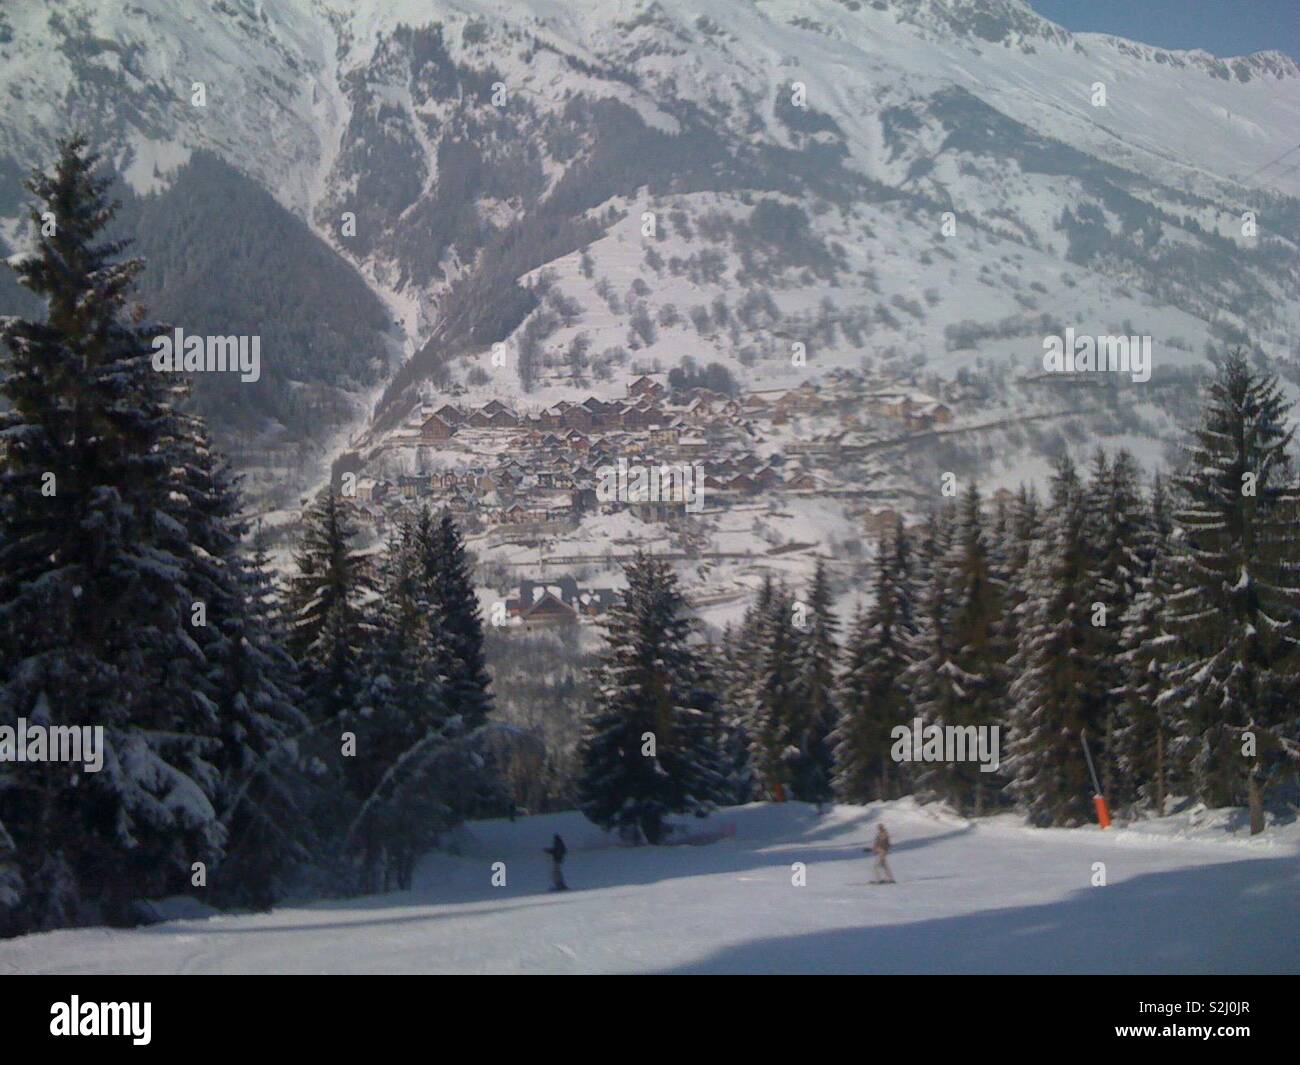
(1186, 894)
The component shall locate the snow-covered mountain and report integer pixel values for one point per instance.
(605, 186)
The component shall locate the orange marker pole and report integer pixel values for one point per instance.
(1103, 814)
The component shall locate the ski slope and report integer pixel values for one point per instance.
(1182, 896)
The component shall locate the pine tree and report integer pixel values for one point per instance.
(773, 696)
(879, 650)
(1114, 518)
(1143, 733)
(1234, 615)
(269, 801)
(970, 681)
(815, 712)
(98, 581)
(403, 724)
(929, 694)
(728, 668)
(329, 630)
(1053, 693)
(452, 600)
(647, 749)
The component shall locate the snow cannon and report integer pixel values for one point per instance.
(1098, 799)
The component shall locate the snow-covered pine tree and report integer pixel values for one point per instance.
(1052, 694)
(815, 712)
(880, 647)
(741, 662)
(97, 581)
(773, 696)
(727, 669)
(402, 724)
(1115, 512)
(1235, 612)
(328, 630)
(646, 748)
(1142, 735)
(971, 682)
(927, 694)
(269, 800)
(452, 599)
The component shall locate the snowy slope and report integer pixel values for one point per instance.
(1182, 895)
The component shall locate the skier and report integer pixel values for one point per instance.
(557, 850)
(880, 847)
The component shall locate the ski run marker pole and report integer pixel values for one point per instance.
(1098, 799)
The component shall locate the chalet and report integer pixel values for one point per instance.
(802, 482)
(804, 398)
(766, 477)
(578, 417)
(451, 414)
(599, 411)
(494, 406)
(642, 416)
(698, 410)
(646, 386)
(502, 418)
(577, 441)
(553, 416)
(546, 611)
(477, 419)
(546, 602)
(435, 427)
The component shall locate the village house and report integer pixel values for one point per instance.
(646, 386)
(435, 428)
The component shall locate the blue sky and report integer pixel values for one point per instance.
(1223, 27)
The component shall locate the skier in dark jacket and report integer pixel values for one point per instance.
(557, 851)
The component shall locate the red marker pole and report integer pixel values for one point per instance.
(1098, 799)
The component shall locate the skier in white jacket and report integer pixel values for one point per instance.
(880, 848)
